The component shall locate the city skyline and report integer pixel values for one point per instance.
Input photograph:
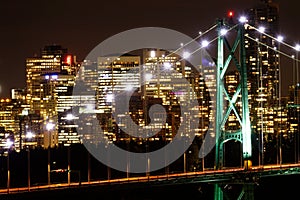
(81, 26)
(157, 112)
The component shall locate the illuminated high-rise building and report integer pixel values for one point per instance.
(263, 66)
(160, 67)
(117, 78)
(294, 109)
(49, 76)
(150, 79)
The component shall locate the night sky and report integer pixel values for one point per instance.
(27, 26)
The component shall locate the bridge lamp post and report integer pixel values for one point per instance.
(49, 127)
(261, 30)
(186, 55)
(204, 44)
(297, 48)
(9, 144)
(280, 40)
(28, 136)
(128, 89)
(69, 117)
(243, 19)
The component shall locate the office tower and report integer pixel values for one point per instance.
(154, 80)
(165, 71)
(49, 76)
(294, 109)
(118, 77)
(9, 123)
(294, 117)
(263, 66)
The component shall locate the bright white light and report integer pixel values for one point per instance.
(181, 44)
(152, 54)
(109, 98)
(223, 31)
(205, 43)
(148, 77)
(243, 19)
(200, 33)
(261, 29)
(297, 47)
(49, 126)
(8, 143)
(69, 116)
(167, 65)
(24, 112)
(186, 55)
(29, 135)
(280, 38)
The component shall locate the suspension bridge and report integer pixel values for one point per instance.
(231, 52)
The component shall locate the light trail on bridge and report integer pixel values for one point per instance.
(209, 175)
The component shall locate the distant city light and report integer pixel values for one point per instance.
(9, 143)
(69, 116)
(54, 77)
(49, 126)
(29, 135)
(69, 59)
(152, 54)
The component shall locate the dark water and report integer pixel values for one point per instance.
(283, 187)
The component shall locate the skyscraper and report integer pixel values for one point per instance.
(49, 77)
(263, 65)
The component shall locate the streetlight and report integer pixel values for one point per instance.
(49, 127)
(260, 80)
(8, 145)
(22, 117)
(69, 117)
(29, 136)
(280, 39)
(297, 48)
